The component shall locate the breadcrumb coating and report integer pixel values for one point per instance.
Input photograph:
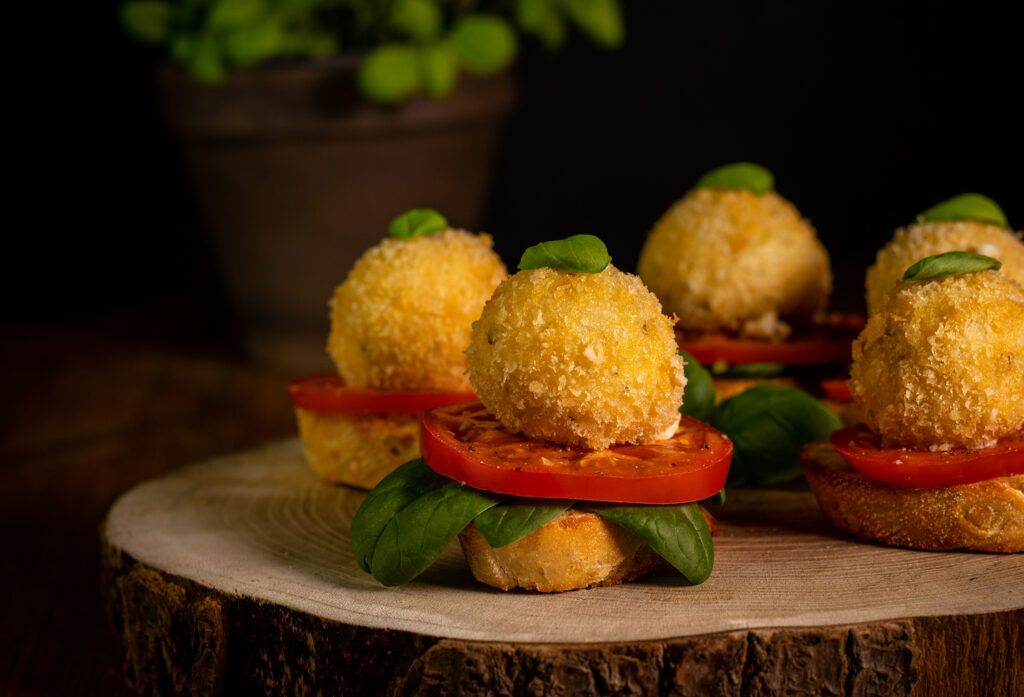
(730, 259)
(402, 318)
(941, 364)
(577, 358)
(915, 242)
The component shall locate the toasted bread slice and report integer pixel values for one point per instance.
(986, 516)
(357, 449)
(575, 550)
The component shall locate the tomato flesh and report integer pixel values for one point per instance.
(862, 448)
(825, 343)
(837, 389)
(468, 444)
(327, 393)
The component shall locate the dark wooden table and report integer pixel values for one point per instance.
(87, 410)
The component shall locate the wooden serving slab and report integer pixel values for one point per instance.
(235, 576)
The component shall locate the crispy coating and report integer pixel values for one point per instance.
(941, 364)
(402, 318)
(730, 259)
(915, 242)
(577, 358)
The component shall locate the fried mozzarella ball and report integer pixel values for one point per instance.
(924, 239)
(735, 260)
(402, 318)
(578, 358)
(941, 363)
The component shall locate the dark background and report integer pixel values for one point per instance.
(866, 113)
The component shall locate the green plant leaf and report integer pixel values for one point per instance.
(205, 63)
(228, 14)
(939, 266)
(439, 70)
(699, 397)
(409, 518)
(740, 175)
(579, 253)
(390, 73)
(516, 518)
(253, 43)
(416, 223)
(967, 207)
(147, 20)
(767, 424)
(747, 370)
(484, 43)
(679, 533)
(601, 20)
(539, 18)
(420, 20)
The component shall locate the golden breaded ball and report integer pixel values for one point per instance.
(915, 242)
(578, 358)
(402, 318)
(941, 364)
(732, 259)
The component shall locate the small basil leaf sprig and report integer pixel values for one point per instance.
(699, 395)
(417, 223)
(409, 518)
(740, 175)
(939, 266)
(966, 207)
(678, 533)
(579, 253)
(767, 424)
(516, 518)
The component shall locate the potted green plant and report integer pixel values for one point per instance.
(307, 124)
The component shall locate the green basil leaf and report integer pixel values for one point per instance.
(416, 223)
(409, 518)
(439, 70)
(391, 495)
(579, 253)
(948, 264)
(147, 20)
(699, 396)
(484, 43)
(390, 73)
(741, 175)
(967, 207)
(516, 518)
(747, 370)
(767, 424)
(420, 20)
(679, 533)
(601, 20)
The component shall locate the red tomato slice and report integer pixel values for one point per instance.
(837, 389)
(824, 343)
(468, 444)
(327, 393)
(860, 447)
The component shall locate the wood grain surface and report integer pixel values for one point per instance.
(258, 531)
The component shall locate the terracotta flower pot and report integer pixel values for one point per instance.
(297, 175)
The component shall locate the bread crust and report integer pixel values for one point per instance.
(986, 516)
(575, 550)
(357, 449)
